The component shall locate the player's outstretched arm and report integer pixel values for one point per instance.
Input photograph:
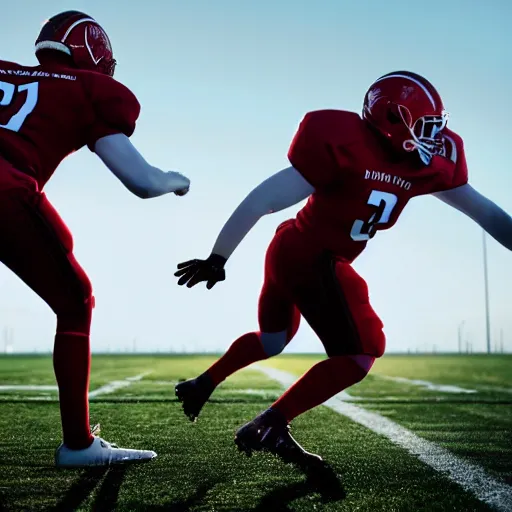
(280, 191)
(142, 179)
(482, 210)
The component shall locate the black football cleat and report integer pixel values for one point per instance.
(270, 432)
(193, 394)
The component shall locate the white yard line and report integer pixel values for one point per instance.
(107, 388)
(103, 390)
(28, 387)
(117, 384)
(470, 477)
(442, 388)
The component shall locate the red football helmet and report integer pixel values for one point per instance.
(82, 38)
(406, 109)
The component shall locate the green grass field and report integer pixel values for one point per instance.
(199, 469)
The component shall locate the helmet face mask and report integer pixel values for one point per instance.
(407, 110)
(78, 35)
(425, 135)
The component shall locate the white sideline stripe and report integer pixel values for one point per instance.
(27, 387)
(470, 477)
(443, 388)
(117, 384)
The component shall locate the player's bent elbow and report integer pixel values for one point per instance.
(148, 193)
(143, 194)
(148, 184)
(139, 191)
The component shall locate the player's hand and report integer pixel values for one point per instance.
(210, 270)
(179, 184)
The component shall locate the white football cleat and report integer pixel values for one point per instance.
(100, 453)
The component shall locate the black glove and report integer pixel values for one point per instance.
(195, 271)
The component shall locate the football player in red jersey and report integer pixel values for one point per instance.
(359, 173)
(47, 112)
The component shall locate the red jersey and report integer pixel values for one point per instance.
(359, 189)
(48, 112)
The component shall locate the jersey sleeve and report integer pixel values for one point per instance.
(455, 152)
(460, 176)
(311, 152)
(115, 110)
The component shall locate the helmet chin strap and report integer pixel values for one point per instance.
(426, 142)
(426, 153)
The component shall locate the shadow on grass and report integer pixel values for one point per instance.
(184, 505)
(81, 489)
(324, 482)
(106, 499)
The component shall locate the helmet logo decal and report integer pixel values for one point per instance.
(406, 92)
(417, 82)
(94, 32)
(373, 96)
(68, 31)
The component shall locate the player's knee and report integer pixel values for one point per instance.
(76, 318)
(364, 361)
(373, 339)
(274, 342)
(370, 332)
(75, 314)
(355, 366)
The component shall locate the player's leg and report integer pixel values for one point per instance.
(269, 431)
(38, 254)
(37, 246)
(333, 298)
(337, 307)
(278, 321)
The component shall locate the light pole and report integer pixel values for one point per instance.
(461, 325)
(486, 283)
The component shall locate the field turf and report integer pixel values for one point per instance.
(457, 402)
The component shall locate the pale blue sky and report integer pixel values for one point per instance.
(223, 86)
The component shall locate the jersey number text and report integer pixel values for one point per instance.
(8, 93)
(384, 202)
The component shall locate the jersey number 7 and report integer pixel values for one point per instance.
(9, 93)
(363, 230)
